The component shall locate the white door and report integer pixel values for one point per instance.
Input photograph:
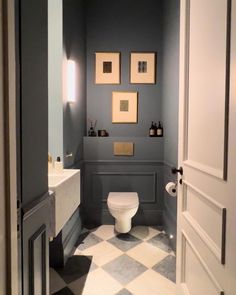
(206, 255)
(2, 173)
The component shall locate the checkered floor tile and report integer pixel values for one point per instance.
(107, 263)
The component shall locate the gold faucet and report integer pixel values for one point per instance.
(49, 159)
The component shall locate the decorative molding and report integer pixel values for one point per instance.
(34, 206)
(186, 240)
(219, 252)
(122, 162)
(152, 174)
(40, 233)
(204, 168)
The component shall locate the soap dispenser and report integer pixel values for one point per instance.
(58, 165)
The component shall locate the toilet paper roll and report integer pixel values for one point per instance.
(171, 189)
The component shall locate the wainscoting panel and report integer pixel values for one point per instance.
(143, 177)
(36, 231)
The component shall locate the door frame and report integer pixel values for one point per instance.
(10, 148)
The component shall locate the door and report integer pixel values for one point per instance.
(206, 258)
(2, 172)
(36, 203)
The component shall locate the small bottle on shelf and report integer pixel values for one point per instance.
(91, 131)
(159, 130)
(152, 130)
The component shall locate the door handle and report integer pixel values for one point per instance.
(174, 170)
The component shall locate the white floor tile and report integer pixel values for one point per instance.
(98, 282)
(151, 283)
(102, 253)
(105, 232)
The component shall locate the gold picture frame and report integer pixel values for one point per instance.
(124, 107)
(143, 67)
(107, 68)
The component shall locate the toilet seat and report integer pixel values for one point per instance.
(123, 200)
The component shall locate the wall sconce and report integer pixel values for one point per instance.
(71, 81)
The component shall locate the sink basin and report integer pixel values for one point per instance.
(66, 188)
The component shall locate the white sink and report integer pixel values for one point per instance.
(66, 188)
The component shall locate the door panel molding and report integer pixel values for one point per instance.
(186, 242)
(222, 158)
(40, 234)
(217, 249)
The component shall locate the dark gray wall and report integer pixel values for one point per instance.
(170, 97)
(74, 39)
(123, 26)
(141, 173)
(34, 99)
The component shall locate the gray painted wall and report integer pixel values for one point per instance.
(34, 99)
(141, 173)
(123, 26)
(170, 97)
(74, 118)
(145, 149)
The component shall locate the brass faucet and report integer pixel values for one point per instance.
(49, 159)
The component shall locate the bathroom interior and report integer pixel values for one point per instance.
(87, 254)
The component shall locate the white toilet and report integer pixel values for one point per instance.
(123, 206)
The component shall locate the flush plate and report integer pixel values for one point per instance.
(123, 148)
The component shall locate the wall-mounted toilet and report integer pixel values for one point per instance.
(123, 206)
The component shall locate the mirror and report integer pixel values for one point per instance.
(55, 75)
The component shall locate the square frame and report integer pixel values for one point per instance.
(124, 107)
(107, 67)
(143, 67)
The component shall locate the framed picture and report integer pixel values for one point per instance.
(107, 68)
(143, 68)
(124, 107)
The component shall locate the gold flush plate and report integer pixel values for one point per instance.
(123, 148)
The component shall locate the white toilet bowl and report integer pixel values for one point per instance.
(123, 206)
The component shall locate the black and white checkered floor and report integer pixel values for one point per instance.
(107, 263)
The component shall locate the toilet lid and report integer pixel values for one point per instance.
(123, 200)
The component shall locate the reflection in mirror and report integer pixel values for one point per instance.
(55, 87)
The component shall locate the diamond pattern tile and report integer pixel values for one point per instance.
(124, 292)
(124, 241)
(161, 241)
(124, 269)
(89, 241)
(102, 253)
(99, 282)
(151, 283)
(64, 291)
(167, 268)
(107, 263)
(56, 282)
(105, 232)
(143, 232)
(152, 255)
(76, 267)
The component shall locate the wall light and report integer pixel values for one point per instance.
(71, 81)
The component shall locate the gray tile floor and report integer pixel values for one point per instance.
(107, 263)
